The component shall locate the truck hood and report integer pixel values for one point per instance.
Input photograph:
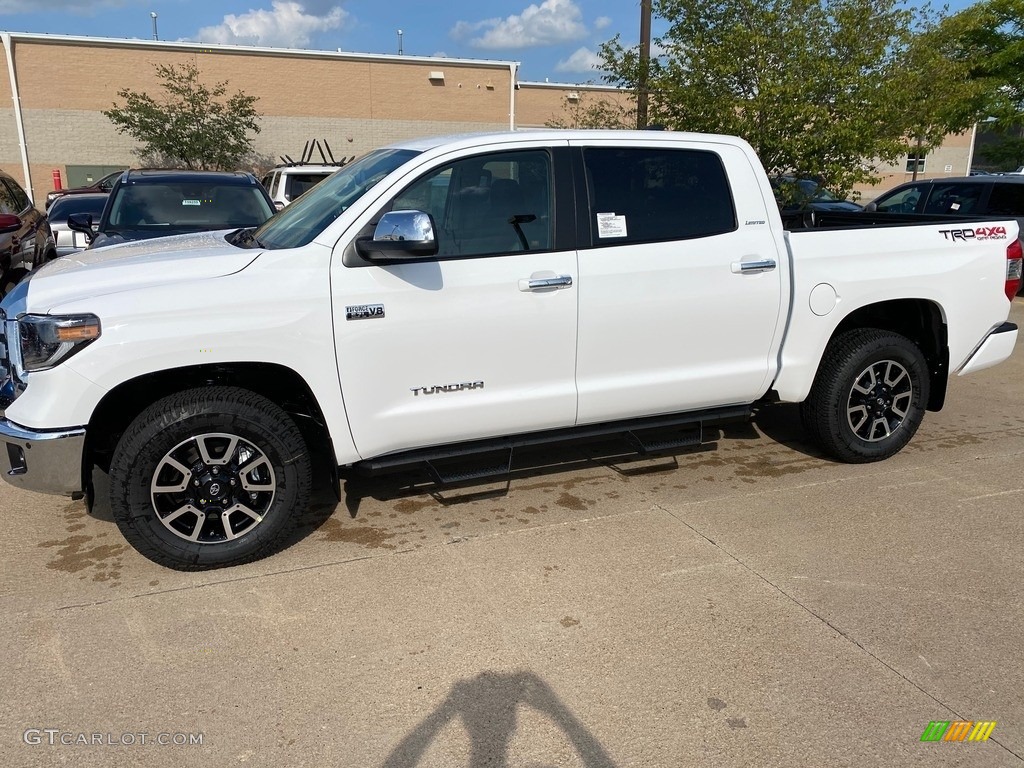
(135, 265)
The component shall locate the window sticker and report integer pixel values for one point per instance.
(611, 225)
(191, 202)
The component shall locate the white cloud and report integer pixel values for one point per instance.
(550, 23)
(288, 24)
(602, 22)
(582, 60)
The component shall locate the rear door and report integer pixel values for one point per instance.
(680, 285)
(481, 340)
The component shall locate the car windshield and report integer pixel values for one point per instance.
(308, 216)
(186, 206)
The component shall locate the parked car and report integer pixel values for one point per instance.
(793, 194)
(103, 185)
(68, 240)
(26, 241)
(991, 195)
(150, 203)
(485, 293)
(287, 182)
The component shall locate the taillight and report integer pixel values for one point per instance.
(1014, 257)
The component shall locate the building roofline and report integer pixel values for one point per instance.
(574, 86)
(111, 42)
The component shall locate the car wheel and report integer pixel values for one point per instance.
(10, 279)
(868, 397)
(208, 478)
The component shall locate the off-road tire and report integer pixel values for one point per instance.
(858, 426)
(166, 435)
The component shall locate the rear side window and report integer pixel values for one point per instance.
(952, 198)
(642, 195)
(1006, 200)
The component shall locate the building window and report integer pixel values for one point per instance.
(915, 164)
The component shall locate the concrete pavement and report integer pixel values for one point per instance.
(753, 605)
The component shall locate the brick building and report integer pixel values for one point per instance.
(57, 86)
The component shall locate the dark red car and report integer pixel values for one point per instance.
(103, 185)
(26, 241)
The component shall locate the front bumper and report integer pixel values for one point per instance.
(46, 461)
(996, 347)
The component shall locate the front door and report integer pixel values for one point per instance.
(477, 342)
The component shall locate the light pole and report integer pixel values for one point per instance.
(399, 42)
(152, 15)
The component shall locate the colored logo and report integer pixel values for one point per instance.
(958, 730)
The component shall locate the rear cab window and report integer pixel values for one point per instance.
(652, 194)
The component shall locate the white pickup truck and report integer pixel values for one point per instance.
(442, 298)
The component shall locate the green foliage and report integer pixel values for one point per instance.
(194, 126)
(989, 38)
(590, 111)
(820, 88)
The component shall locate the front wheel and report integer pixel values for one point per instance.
(869, 396)
(208, 478)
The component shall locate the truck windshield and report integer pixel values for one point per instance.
(308, 216)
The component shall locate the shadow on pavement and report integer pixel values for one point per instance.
(487, 705)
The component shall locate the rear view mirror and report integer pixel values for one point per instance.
(82, 222)
(9, 223)
(400, 235)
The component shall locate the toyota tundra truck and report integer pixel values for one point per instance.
(439, 300)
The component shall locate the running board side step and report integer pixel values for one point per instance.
(650, 435)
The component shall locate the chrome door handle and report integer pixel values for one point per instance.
(753, 267)
(540, 283)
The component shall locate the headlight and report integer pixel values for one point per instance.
(48, 340)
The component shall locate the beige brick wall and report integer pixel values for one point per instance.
(538, 104)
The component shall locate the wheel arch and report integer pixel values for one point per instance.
(279, 384)
(919, 320)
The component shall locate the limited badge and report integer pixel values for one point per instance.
(364, 312)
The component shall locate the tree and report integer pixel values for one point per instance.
(589, 111)
(820, 88)
(193, 126)
(989, 38)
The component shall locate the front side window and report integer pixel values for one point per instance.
(640, 195)
(904, 200)
(7, 202)
(18, 195)
(487, 205)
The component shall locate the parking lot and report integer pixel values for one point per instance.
(750, 605)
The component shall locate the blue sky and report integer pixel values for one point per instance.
(554, 39)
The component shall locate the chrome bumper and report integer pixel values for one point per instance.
(46, 461)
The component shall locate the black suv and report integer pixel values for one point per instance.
(26, 241)
(151, 203)
(959, 196)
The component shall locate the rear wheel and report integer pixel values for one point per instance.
(869, 396)
(209, 478)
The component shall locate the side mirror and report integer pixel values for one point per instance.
(82, 222)
(9, 223)
(278, 205)
(400, 236)
(871, 207)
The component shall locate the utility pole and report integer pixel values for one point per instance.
(645, 64)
